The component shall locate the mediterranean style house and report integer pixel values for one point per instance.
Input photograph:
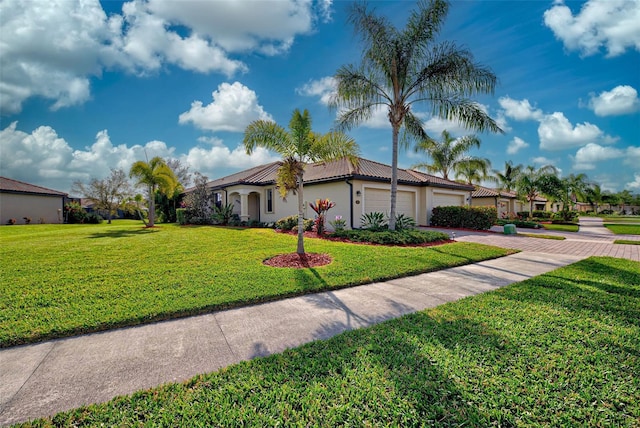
(505, 202)
(356, 190)
(19, 200)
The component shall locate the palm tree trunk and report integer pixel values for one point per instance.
(300, 249)
(152, 207)
(394, 178)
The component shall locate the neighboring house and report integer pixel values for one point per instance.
(505, 202)
(356, 190)
(19, 200)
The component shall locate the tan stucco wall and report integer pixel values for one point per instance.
(39, 208)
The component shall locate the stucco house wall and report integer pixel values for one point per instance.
(19, 200)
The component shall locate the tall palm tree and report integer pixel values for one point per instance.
(533, 182)
(445, 154)
(401, 68)
(298, 146)
(507, 179)
(155, 175)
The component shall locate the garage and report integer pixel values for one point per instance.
(379, 200)
(447, 199)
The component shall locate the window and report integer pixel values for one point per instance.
(217, 199)
(269, 200)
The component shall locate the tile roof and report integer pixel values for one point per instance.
(15, 186)
(339, 169)
(486, 192)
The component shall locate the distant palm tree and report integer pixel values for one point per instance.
(401, 68)
(155, 175)
(533, 182)
(594, 196)
(507, 179)
(445, 154)
(473, 170)
(298, 146)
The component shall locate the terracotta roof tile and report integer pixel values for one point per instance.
(15, 186)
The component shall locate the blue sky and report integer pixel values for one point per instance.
(88, 86)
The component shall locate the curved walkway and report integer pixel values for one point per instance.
(46, 378)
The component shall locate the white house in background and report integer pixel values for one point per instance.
(505, 202)
(356, 190)
(19, 200)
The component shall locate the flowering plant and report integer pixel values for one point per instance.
(338, 224)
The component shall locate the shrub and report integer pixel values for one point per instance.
(93, 218)
(520, 223)
(338, 224)
(477, 218)
(75, 213)
(387, 237)
(27, 220)
(567, 216)
(542, 214)
(181, 216)
(373, 221)
(321, 207)
(405, 222)
(11, 221)
(223, 214)
(288, 223)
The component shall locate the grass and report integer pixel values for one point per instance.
(61, 280)
(621, 219)
(626, 242)
(561, 227)
(623, 229)
(560, 349)
(541, 236)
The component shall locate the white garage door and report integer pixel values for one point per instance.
(447, 199)
(380, 200)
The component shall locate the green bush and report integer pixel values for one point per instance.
(373, 221)
(476, 218)
(75, 213)
(545, 215)
(223, 214)
(566, 216)
(405, 222)
(520, 223)
(93, 218)
(181, 216)
(288, 223)
(387, 237)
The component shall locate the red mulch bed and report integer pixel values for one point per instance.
(295, 260)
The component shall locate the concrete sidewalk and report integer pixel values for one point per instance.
(46, 378)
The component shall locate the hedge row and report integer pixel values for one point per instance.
(477, 218)
(387, 237)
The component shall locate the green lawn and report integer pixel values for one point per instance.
(541, 236)
(560, 349)
(623, 229)
(561, 227)
(60, 280)
(621, 219)
(626, 242)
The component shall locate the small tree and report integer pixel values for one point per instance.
(534, 182)
(107, 194)
(156, 176)
(198, 201)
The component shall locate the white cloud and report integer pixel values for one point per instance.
(323, 88)
(635, 184)
(557, 133)
(587, 157)
(516, 145)
(632, 156)
(519, 110)
(233, 108)
(609, 24)
(435, 125)
(44, 158)
(541, 160)
(52, 49)
(620, 100)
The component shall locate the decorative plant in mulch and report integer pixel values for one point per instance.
(321, 207)
(295, 260)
